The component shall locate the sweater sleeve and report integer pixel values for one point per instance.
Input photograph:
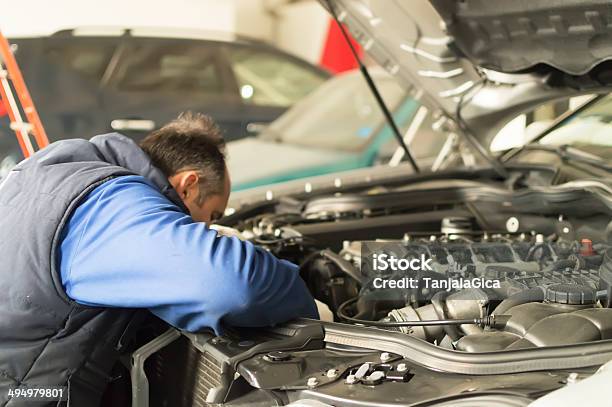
(127, 245)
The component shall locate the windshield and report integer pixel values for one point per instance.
(589, 130)
(342, 114)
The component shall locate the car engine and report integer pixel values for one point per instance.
(546, 293)
(533, 279)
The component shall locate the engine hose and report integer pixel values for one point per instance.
(450, 330)
(535, 294)
(488, 321)
(344, 266)
(605, 275)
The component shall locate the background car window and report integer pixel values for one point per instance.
(589, 130)
(343, 115)
(426, 142)
(172, 67)
(88, 58)
(525, 127)
(271, 79)
(10, 152)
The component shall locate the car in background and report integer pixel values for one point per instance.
(337, 127)
(87, 81)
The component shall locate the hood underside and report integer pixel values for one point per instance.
(486, 61)
(572, 36)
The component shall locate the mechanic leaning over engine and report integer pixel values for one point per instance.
(92, 232)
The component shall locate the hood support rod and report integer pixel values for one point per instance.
(375, 92)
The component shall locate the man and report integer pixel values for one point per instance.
(90, 231)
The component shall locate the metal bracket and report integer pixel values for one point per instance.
(140, 383)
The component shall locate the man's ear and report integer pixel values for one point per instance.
(185, 183)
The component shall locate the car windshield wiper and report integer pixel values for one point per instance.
(375, 91)
(568, 153)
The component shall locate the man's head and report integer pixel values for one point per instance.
(190, 152)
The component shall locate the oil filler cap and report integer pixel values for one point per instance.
(571, 294)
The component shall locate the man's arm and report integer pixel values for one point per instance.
(128, 246)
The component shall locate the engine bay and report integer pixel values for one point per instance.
(486, 298)
(519, 291)
(517, 275)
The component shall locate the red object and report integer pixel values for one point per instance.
(22, 97)
(586, 247)
(3, 111)
(337, 56)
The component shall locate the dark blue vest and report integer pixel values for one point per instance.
(45, 337)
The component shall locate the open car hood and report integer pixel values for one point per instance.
(483, 61)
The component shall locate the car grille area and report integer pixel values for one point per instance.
(180, 375)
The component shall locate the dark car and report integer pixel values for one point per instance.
(91, 81)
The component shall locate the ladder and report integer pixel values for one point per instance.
(19, 101)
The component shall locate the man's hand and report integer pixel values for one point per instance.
(325, 313)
